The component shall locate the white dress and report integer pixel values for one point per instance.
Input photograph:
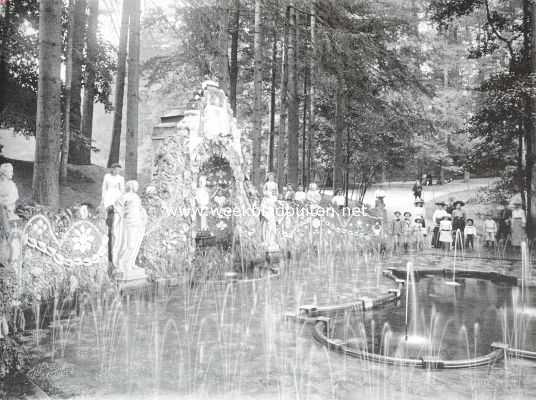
(314, 197)
(300, 196)
(113, 187)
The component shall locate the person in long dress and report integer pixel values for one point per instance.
(129, 229)
(300, 196)
(519, 222)
(338, 201)
(438, 216)
(313, 195)
(268, 218)
(113, 187)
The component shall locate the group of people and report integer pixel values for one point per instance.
(407, 229)
(451, 226)
(311, 196)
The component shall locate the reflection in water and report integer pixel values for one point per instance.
(231, 340)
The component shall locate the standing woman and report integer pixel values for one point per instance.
(519, 221)
(438, 216)
(113, 187)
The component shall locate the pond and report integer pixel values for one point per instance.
(231, 340)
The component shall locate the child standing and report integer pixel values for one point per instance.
(419, 233)
(469, 233)
(445, 232)
(490, 231)
(406, 230)
(397, 229)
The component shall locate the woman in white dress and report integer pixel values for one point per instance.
(313, 195)
(519, 222)
(113, 187)
(268, 205)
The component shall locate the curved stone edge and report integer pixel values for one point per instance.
(310, 313)
(320, 334)
(398, 273)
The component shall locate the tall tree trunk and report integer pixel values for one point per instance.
(305, 123)
(256, 172)
(233, 69)
(273, 101)
(338, 165)
(115, 146)
(4, 56)
(89, 84)
(531, 144)
(75, 114)
(306, 99)
(283, 112)
(222, 67)
(131, 158)
(293, 117)
(45, 186)
(312, 71)
(68, 80)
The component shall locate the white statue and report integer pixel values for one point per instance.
(8, 191)
(268, 214)
(202, 199)
(128, 231)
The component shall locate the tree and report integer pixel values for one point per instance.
(19, 65)
(233, 68)
(507, 28)
(46, 169)
(119, 87)
(340, 111)
(283, 112)
(293, 126)
(68, 93)
(89, 84)
(76, 143)
(131, 159)
(256, 176)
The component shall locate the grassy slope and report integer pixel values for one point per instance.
(83, 184)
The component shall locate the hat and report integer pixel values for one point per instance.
(407, 214)
(419, 201)
(397, 213)
(470, 219)
(462, 203)
(116, 165)
(441, 203)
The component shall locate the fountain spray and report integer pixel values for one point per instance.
(409, 267)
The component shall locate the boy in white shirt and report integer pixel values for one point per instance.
(469, 233)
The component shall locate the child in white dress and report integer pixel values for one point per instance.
(445, 232)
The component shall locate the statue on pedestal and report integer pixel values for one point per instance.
(8, 198)
(268, 215)
(128, 230)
